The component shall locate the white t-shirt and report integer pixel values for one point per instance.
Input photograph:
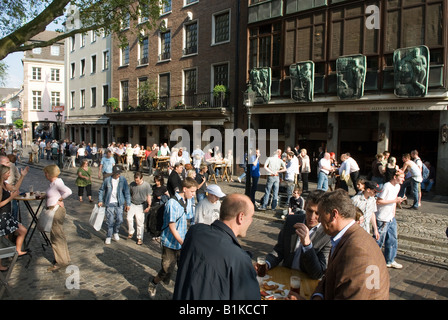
(113, 195)
(206, 212)
(324, 163)
(386, 212)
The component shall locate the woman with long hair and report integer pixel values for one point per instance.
(56, 193)
(8, 224)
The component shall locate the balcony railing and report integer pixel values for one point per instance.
(189, 101)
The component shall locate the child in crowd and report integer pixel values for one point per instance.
(360, 183)
(296, 203)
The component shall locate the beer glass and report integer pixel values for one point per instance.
(261, 266)
(294, 284)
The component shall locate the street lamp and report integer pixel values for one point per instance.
(59, 120)
(249, 99)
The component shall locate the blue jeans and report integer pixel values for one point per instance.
(114, 218)
(414, 190)
(428, 187)
(290, 185)
(388, 238)
(273, 183)
(253, 188)
(322, 181)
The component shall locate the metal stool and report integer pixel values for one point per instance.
(7, 252)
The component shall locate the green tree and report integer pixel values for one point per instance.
(18, 123)
(3, 69)
(20, 20)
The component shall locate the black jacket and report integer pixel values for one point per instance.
(213, 266)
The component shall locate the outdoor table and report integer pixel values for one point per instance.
(160, 160)
(32, 227)
(281, 275)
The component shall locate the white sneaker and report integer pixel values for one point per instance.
(107, 241)
(394, 265)
(116, 237)
(152, 289)
(239, 180)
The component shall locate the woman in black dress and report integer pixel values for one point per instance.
(8, 224)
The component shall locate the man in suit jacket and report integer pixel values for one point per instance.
(302, 243)
(356, 266)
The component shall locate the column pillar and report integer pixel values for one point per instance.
(442, 159)
(332, 132)
(383, 131)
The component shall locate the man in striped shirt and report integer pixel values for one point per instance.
(177, 211)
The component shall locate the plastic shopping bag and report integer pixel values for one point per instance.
(45, 221)
(97, 217)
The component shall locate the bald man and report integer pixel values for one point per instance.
(212, 264)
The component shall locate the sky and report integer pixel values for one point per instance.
(15, 67)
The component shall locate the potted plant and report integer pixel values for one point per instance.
(113, 104)
(180, 105)
(219, 92)
(203, 104)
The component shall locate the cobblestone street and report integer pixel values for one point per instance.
(121, 270)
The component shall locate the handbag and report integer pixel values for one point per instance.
(97, 217)
(45, 221)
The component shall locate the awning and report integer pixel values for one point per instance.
(210, 122)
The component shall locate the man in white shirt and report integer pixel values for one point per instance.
(292, 168)
(273, 165)
(351, 167)
(164, 150)
(387, 201)
(325, 169)
(207, 210)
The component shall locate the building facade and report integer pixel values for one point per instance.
(185, 70)
(43, 88)
(88, 83)
(353, 76)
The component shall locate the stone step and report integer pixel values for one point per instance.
(439, 253)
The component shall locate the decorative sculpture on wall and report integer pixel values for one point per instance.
(260, 82)
(302, 81)
(411, 71)
(351, 75)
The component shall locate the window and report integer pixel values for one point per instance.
(55, 99)
(72, 70)
(187, 2)
(105, 94)
(93, 97)
(37, 100)
(83, 39)
(37, 50)
(264, 48)
(37, 73)
(124, 94)
(106, 60)
(166, 6)
(54, 75)
(165, 46)
(221, 27)
(83, 68)
(125, 24)
(93, 64)
(142, 92)
(94, 35)
(54, 50)
(190, 87)
(164, 89)
(221, 75)
(72, 43)
(72, 100)
(125, 56)
(191, 38)
(83, 99)
(144, 49)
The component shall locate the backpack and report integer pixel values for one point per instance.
(425, 171)
(156, 214)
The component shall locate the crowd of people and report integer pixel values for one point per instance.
(327, 234)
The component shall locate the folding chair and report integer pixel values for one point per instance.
(7, 252)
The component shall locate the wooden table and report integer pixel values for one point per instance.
(281, 275)
(219, 164)
(160, 160)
